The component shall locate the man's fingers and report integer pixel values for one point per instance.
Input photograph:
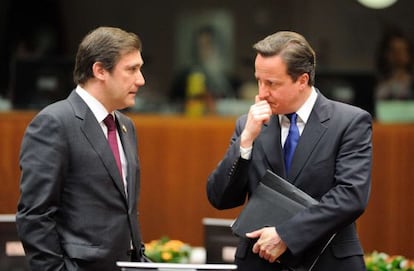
(256, 248)
(261, 112)
(254, 234)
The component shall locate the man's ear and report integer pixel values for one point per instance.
(98, 70)
(303, 79)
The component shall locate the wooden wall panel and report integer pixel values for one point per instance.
(388, 222)
(12, 127)
(176, 155)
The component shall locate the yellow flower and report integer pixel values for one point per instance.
(166, 256)
(175, 245)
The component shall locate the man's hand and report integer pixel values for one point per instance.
(269, 245)
(259, 113)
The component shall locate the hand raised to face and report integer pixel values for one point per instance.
(259, 113)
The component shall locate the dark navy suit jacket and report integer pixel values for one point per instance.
(332, 163)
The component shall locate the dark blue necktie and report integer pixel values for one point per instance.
(291, 141)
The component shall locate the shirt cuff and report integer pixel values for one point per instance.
(246, 153)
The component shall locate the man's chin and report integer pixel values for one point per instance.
(126, 105)
(131, 103)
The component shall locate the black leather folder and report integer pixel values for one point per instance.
(274, 201)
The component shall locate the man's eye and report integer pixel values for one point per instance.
(134, 69)
(271, 84)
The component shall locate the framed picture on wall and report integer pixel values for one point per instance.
(204, 43)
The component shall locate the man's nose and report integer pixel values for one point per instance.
(263, 92)
(140, 81)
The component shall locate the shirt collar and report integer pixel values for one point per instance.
(305, 110)
(94, 105)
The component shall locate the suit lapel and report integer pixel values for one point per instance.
(313, 132)
(269, 142)
(93, 132)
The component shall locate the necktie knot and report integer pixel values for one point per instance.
(292, 117)
(110, 122)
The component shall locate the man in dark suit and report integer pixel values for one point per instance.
(78, 204)
(331, 162)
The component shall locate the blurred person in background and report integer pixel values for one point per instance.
(395, 67)
(207, 67)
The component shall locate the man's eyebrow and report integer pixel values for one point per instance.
(137, 65)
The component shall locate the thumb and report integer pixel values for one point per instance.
(254, 234)
(256, 99)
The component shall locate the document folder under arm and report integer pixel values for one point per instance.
(274, 201)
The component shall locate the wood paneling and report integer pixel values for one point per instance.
(388, 222)
(12, 127)
(178, 153)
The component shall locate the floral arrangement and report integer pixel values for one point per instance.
(380, 261)
(166, 250)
